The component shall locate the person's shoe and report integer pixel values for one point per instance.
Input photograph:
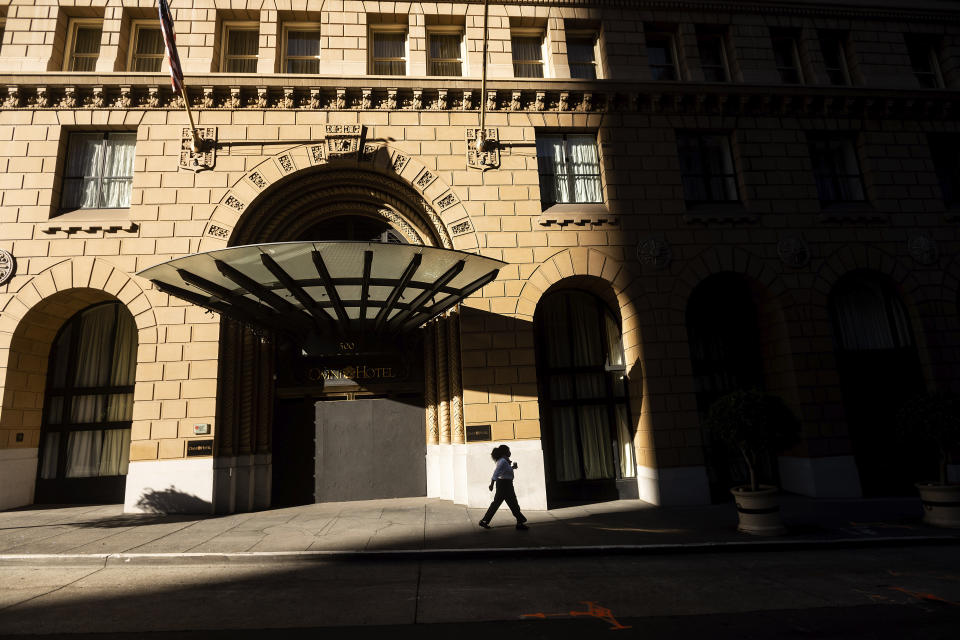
(522, 518)
(484, 525)
(522, 527)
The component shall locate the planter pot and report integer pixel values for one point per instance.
(759, 511)
(941, 504)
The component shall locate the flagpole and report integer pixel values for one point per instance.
(197, 142)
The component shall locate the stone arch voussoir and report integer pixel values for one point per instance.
(445, 208)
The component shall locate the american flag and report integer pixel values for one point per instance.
(170, 39)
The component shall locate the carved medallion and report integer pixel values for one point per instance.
(203, 159)
(793, 252)
(654, 252)
(489, 159)
(342, 140)
(923, 248)
(7, 266)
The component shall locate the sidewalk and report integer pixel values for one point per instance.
(81, 534)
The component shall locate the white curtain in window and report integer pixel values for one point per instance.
(242, 43)
(86, 47)
(868, 318)
(303, 51)
(553, 169)
(387, 46)
(149, 50)
(51, 450)
(628, 465)
(82, 173)
(83, 453)
(445, 55)
(115, 456)
(118, 170)
(527, 57)
(585, 168)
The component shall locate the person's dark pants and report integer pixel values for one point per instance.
(506, 493)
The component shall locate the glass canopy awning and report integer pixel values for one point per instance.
(323, 288)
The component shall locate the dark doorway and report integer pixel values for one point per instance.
(581, 373)
(370, 448)
(725, 355)
(293, 449)
(879, 371)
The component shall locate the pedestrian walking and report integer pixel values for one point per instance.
(503, 477)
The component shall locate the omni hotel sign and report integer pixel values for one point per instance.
(355, 373)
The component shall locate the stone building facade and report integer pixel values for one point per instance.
(737, 194)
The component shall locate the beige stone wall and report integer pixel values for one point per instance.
(172, 209)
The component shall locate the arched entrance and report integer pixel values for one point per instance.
(732, 329)
(88, 407)
(584, 409)
(879, 371)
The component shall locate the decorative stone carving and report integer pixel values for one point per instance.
(262, 98)
(586, 103)
(401, 225)
(176, 102)
(564, 104)
(540, 102)
(369, 152)
(13, 97)
(216, 231)
(204, 159)
(399, 162)
(69, 100)
(391, 99)
(257, 180)
(417, 99)
(235, 101)
(8, 266)
(288, 98)
(234, 203)
(467, 100)
(654, 252)
(315, 98)
(125, 99)
(153, 97)
(341, 99)
(207, 98)
(366, 101)
(447, 201)
(442, 101)
(461, 227)
(515, 101)
(342, 140)
(489, 159)
(491, 100)
(793, 251)
(424, 180)
(316, 154)
(923, 248)
(43, 97)
(286, 163)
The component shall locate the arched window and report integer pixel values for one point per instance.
(88, 407)
(360, 228)
(583, 396)
(879, 370)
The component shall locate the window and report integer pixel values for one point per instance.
(569, 169)
(446, 51)
(836, 169)
(241, 46)
(923, 59)
(148, 50)
(786, 55)
(527, 49)
(99, 170)
(388, 50)
(946, 162)
(706, 163)
(88, 407)
(301, 48)
(582, 54)
(662, 55)
(713, 55)
(83, 45)
(834, 49)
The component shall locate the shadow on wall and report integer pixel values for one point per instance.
(172, 501)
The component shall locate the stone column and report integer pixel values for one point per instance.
(443, 390)
(456, 388)
(430, 383)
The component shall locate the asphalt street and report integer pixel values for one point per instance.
(906, 592)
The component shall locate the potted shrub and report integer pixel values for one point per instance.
(755, 424)
(935, 418)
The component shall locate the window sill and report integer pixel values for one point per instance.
(91, 221)
(719, 212)
(850, 212)
(593, 213)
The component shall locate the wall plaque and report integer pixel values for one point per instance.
(479, 433)
(199, 448)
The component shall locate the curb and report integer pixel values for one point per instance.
(275, 557)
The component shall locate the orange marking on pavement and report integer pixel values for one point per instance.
(924, 596)
(593, 610)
